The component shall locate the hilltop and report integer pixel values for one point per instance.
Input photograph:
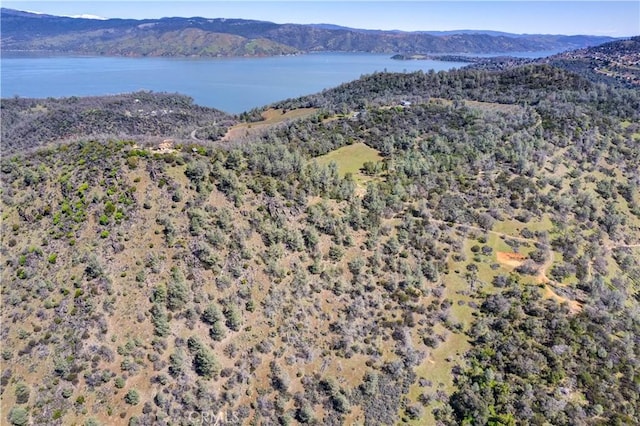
(29, 123)
(206, 37)
(616, 62)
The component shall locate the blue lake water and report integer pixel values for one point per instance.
(230, 84)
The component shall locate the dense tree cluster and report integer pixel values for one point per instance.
(527, 85)
(534, 363)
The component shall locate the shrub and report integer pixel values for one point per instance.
(132, 397)
(18, 416)
(109, 208)
(22, 393)
(93, 268)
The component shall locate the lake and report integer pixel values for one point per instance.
(230, 84)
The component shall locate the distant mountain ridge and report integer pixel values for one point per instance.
(199, 36)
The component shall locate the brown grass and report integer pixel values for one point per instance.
(484, 106)
(510, 259)
(271, 118)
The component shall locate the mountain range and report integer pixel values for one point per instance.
(206, 37)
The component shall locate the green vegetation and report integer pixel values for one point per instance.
(132, 397)
(353, 159)
(482, 266)
(18, 416)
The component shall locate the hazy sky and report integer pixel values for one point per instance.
(613, 18)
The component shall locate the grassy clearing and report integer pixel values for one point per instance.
(483, 106)
(626, 123)
(514, 227)
(271, 117)
(497, 243)
(350, 158)
(492, 106)
(437, 366)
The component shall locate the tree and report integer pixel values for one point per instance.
(211, 314)
(279, 377)
(234, 318)
(93, 268)
(160, 320)
(216, 332)
(205, 364)
(177, 292)
(340, 403)
(176, 363)
(304, 414)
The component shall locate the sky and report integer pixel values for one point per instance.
(610, 18)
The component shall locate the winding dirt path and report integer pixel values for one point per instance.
(477, 228)
(193, 134)
(617, 246)
(541, 277)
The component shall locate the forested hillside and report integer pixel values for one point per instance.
(610, 62)
(443, 248)
(31, 123)
(613, 63)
